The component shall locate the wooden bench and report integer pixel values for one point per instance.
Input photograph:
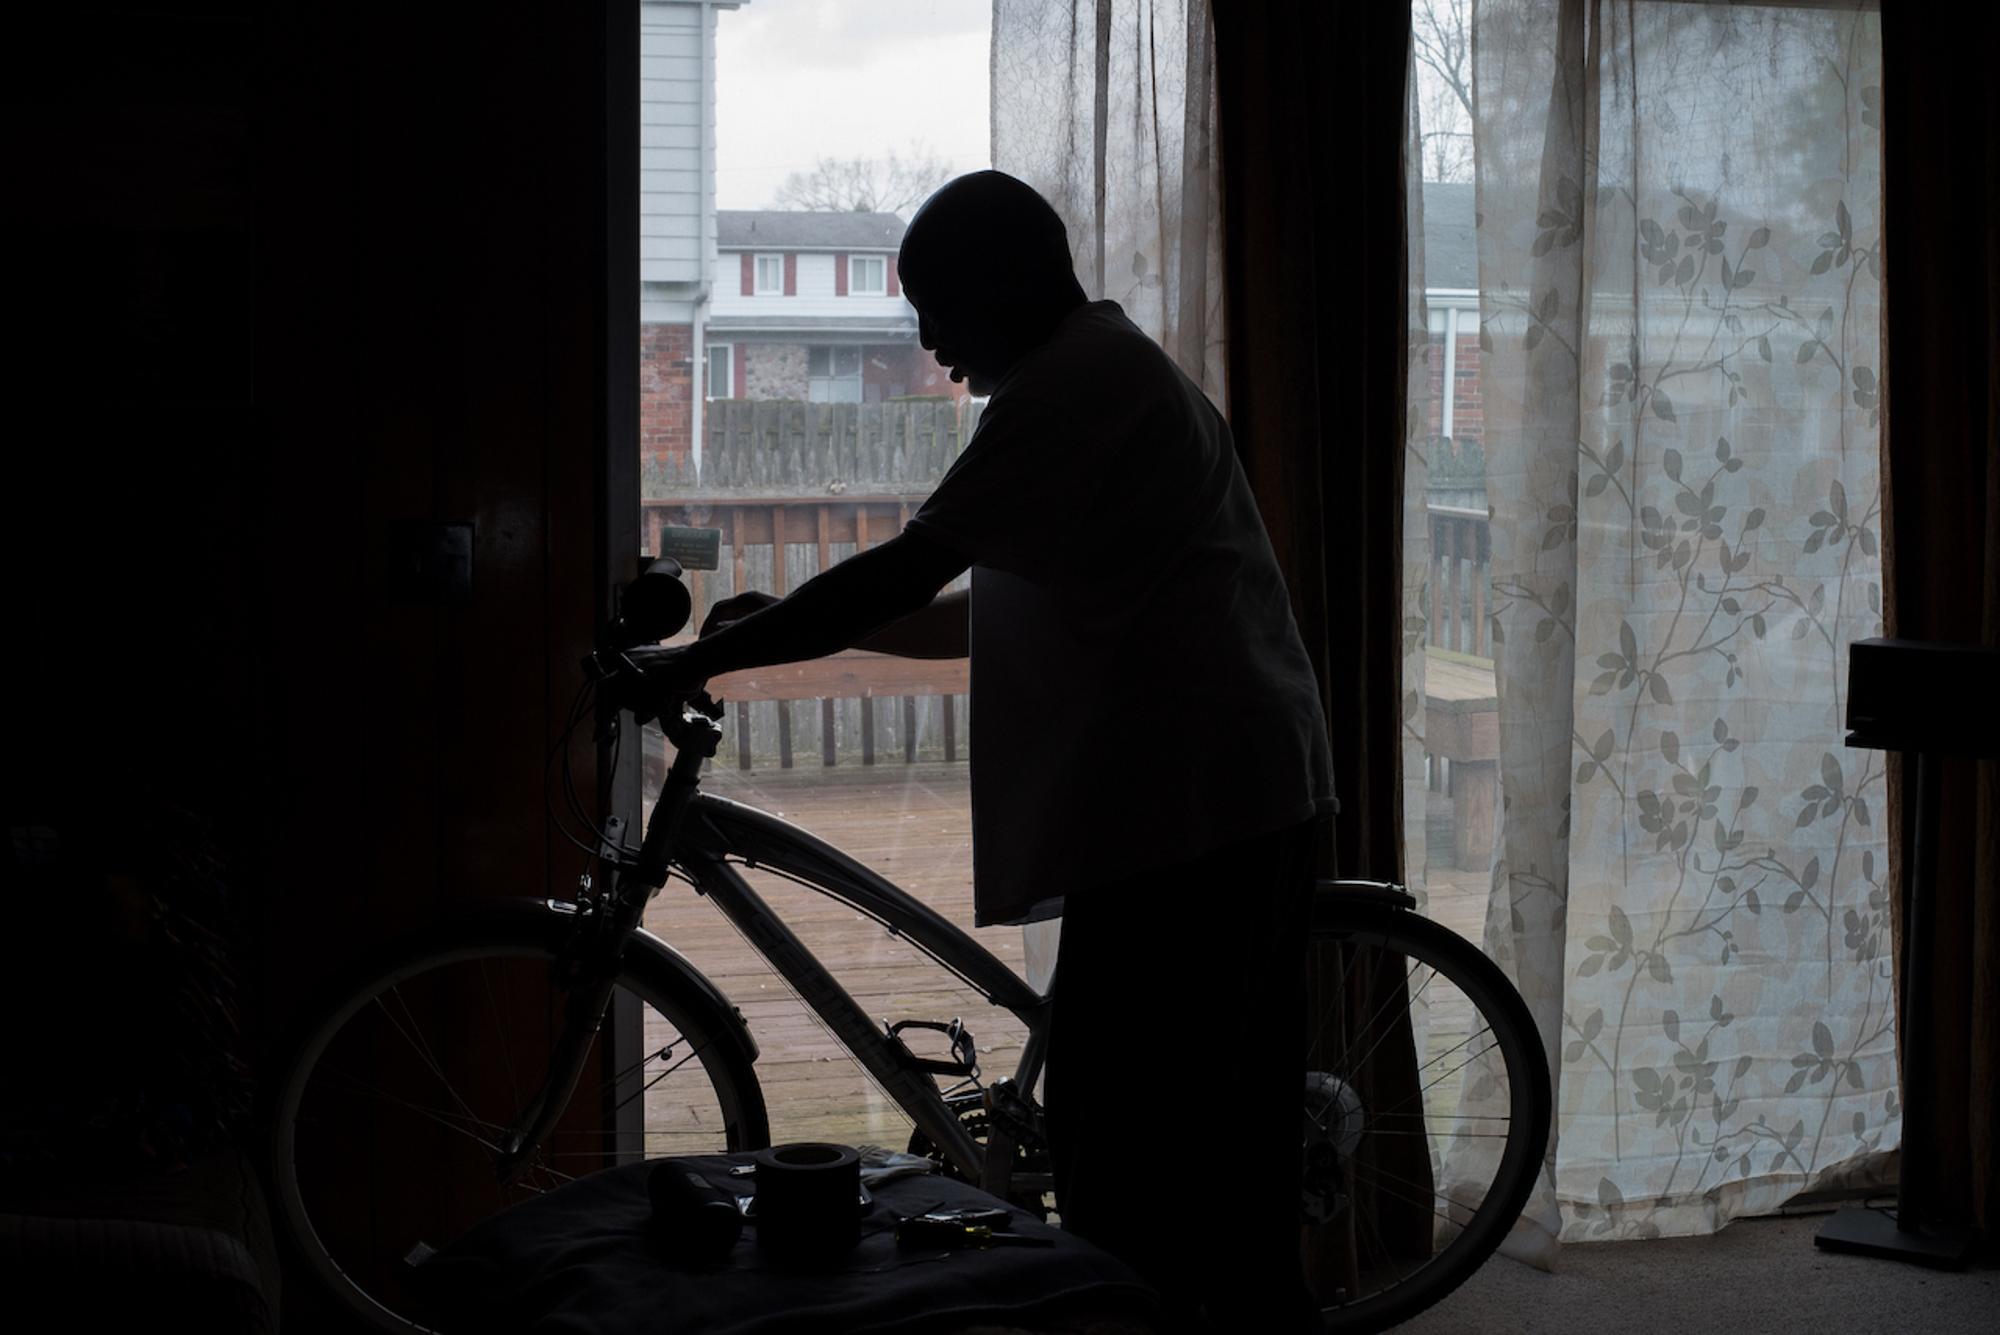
(1462, 724)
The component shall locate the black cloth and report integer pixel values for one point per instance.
(1176, 1061)
(584, 1259)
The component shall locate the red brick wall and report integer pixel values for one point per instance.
(1468, 411)
(666, 391)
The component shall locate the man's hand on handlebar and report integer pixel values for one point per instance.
(731, 610)
(669, 670)
(654, 681)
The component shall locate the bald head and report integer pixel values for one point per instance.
(986, 263)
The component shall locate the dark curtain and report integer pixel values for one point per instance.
(1310, 105)
(1941, 185)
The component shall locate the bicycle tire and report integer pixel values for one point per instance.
(351, 1197)
(1469, 1235)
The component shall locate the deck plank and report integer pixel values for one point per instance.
(911, 822)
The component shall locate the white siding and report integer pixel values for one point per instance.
(676, 133)
(815, 296)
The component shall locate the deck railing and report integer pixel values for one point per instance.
(1461, 572)
(793, 488)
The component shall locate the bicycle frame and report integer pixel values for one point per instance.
(717, 828)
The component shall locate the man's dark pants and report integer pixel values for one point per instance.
(1175, 1065)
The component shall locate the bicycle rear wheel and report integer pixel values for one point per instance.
(1427, 1107)
(388, 1113)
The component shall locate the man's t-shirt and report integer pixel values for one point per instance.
(1140, 693)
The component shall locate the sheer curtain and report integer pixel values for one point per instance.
(1676, 356)
(1107, 107)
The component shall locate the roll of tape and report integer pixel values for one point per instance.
(808, 1204)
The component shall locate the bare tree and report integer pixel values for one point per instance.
(1442, 34)
(1447, 144)
(894, 183)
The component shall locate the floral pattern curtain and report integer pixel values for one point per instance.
(1677, 349)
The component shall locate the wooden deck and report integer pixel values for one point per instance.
(913, 824)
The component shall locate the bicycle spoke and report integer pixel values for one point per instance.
(661, 1053)
(423, 1049)
(658, 1078)
(444, 1119)
(1437, 1057)
(1388, 1011)
(1384, 1016)
(1456, 1069)
(1412, 1193)
(1395, 1109)
(499, 1027)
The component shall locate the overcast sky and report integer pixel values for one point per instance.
(797, 80)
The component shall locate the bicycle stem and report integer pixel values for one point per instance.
(583, 1015)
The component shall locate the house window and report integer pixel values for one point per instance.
(868, 276)
(770, 275)
(721, 382)
(833, 375)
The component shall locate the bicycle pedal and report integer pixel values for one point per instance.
(1008, 1109)
(964, 1064)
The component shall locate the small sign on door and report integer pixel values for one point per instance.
(694, 548)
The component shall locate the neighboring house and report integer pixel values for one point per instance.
(676, 215)
(759, 305)
(807, 306)
(1451, 295)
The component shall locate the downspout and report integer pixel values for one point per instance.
(698, 386)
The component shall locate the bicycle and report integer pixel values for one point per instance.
(414, 1103)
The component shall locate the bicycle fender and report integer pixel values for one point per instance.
(676, 972)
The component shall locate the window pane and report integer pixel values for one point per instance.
(721, 137)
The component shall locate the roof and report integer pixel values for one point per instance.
(1451, 242)
(801, 229)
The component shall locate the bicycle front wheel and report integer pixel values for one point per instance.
(1427, 1108)
(390, 1113)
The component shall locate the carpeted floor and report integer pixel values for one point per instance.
(1757, 1275)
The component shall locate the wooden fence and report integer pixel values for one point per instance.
(793, 488)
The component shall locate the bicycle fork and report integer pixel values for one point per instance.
(584, 1011)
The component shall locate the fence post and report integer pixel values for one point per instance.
(742, 706)
(826, 722)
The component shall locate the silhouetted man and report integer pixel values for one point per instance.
(1149, 746)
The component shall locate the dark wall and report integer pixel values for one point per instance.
(290, 278)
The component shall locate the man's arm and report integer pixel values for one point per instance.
(833, 610)
(939, 629)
